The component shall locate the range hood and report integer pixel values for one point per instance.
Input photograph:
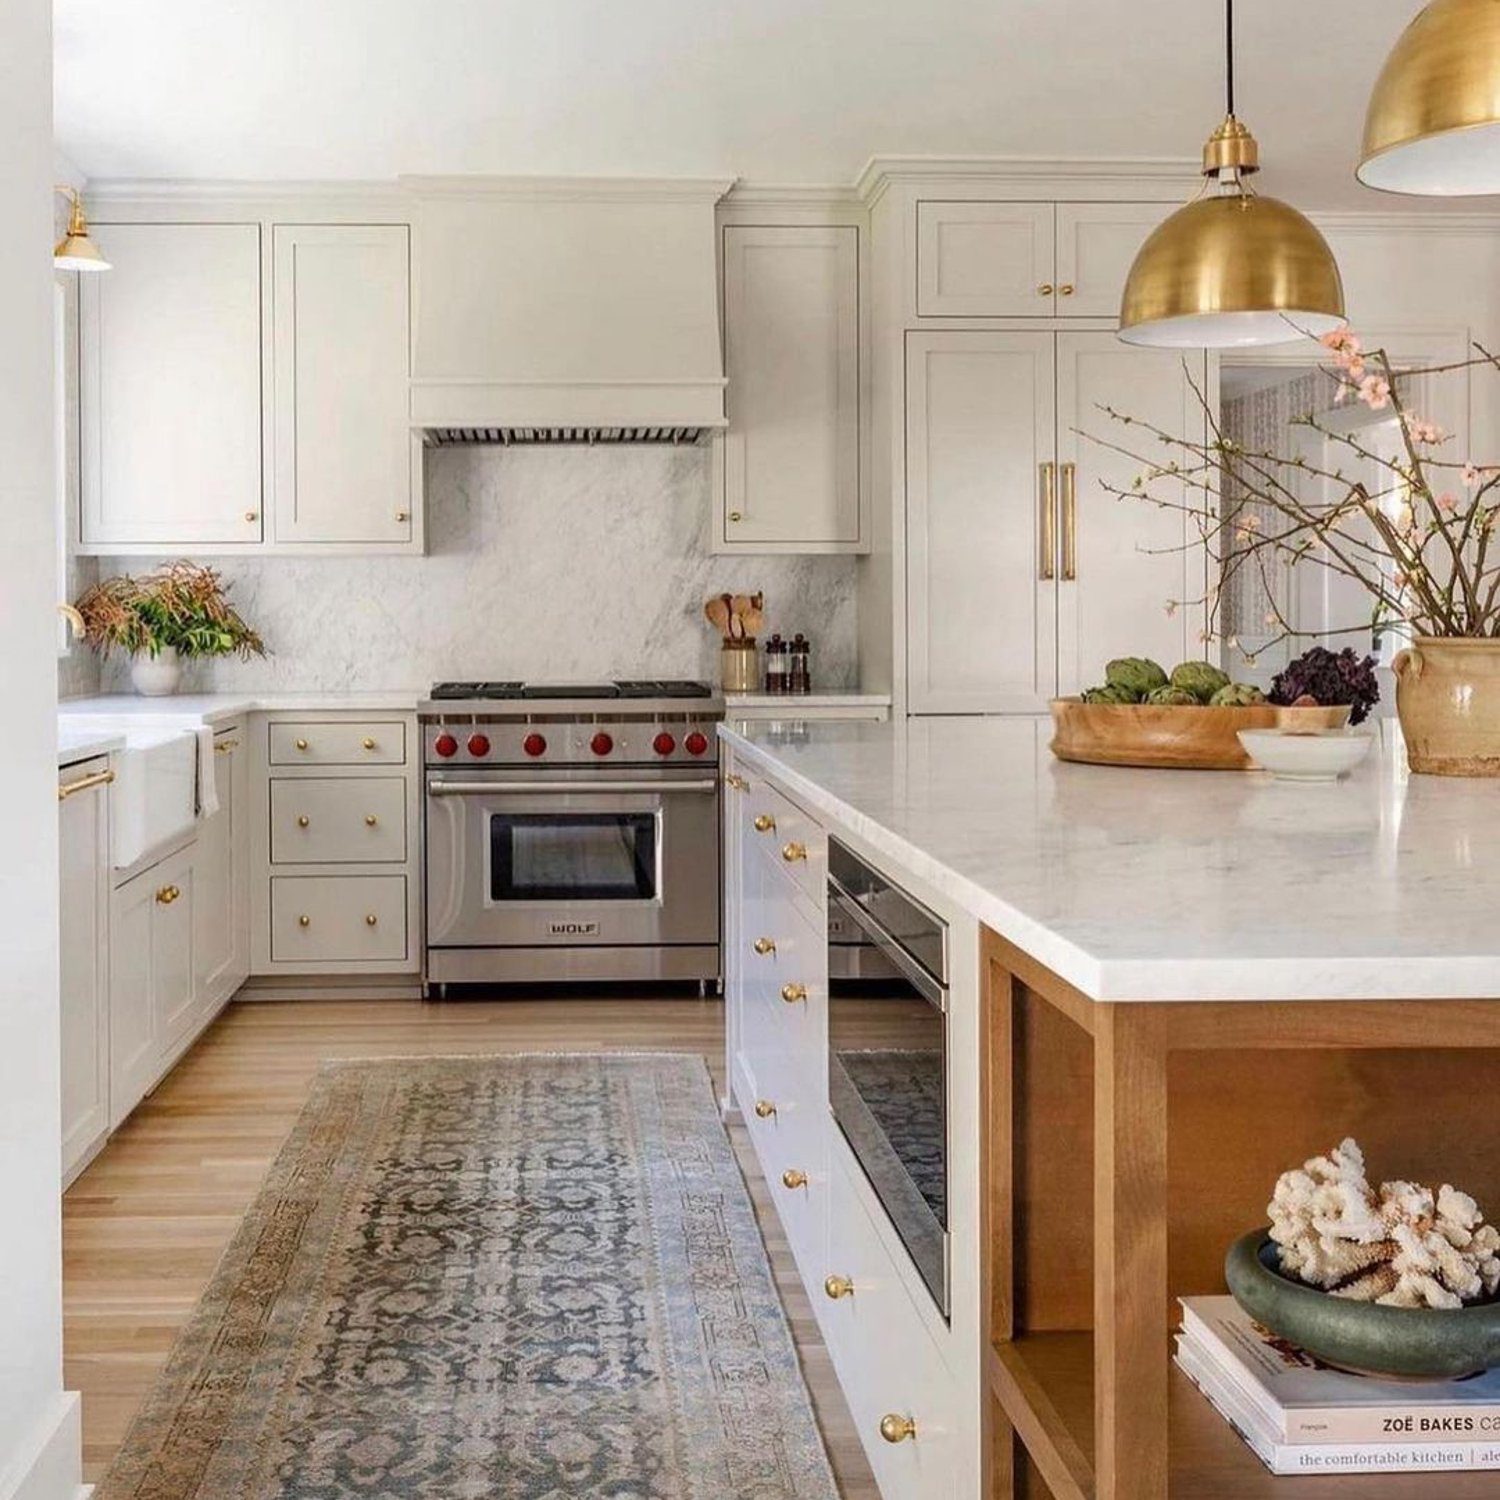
(566, 310)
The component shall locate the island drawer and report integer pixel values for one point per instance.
(338, 820)
(338, 918)
(784, 972)
(376, 742)
(887, 1361)
(791, 842)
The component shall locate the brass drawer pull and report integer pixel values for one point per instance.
(1045, 289)
(371, 919)
(792, 1178)
(1066, 289)
(738, 783)
(302, 744)
(764, 946)
(1047, 568)
(303, 821)
(735, 515)
(764, 1109)
(401, 515)
(791, 853)
(765, 823)
(84, 784)
(251, 515)
(371, 820)
(792, 993)
(1069, 522)
(897, 1429)
(223, 747)
(838, 1286)
(304, 921)
(168, 894)
(368, 743)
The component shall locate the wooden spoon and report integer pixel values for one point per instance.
(753, 620)
(717, 611)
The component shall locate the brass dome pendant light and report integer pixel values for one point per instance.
(1433, 123)
(1231, 269)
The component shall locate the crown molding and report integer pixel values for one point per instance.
(880, 172)
(1418, 221)
(799, 194)
(238, 189)
(563, 189)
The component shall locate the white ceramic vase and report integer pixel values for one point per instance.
(156, 676)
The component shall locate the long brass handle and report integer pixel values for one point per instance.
(792, 852)
(1048, 569)
(765, 823)
(84, 784)
(764, 946)
(792, 1178)
(764, 1109)
(792, 993)
(1069, 522)
(897, 1429)
(835, 1287)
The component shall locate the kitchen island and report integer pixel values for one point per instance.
(1165, 988)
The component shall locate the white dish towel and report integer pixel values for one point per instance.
(208, 792)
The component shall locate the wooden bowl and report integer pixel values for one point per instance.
(1171, 736)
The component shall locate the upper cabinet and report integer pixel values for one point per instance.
(170, 397)
(791, 466)
(1002, 259)
(246, 386)
(347, 464)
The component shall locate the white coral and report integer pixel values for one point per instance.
(1404, 1246)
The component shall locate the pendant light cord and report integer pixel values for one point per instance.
(1229, 56)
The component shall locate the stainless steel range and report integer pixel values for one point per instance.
(572, 832)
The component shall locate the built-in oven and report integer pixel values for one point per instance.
(888, 1053)
(572, 873)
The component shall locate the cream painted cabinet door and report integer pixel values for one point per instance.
(347, 466)
(221, 946)
(1096, 244)
(83, 832)
(980, 498)
(985, 260)
(170, 387)
(791, 347)
(1129, 582)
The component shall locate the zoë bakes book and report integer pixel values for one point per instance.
(1300, 1400)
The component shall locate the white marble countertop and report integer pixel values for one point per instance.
(1173, 885)
(74, 745)
(851, 699)
(216, 708)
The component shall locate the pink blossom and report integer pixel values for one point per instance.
(1269, 617)
(1171, 608)
(1423, 431)
(1341, 340)
(1447, 502)
(1375, 392)
(1470, 475)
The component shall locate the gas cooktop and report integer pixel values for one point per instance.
(633, 688)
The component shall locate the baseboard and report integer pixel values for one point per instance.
(50, 1465)
(330, 987)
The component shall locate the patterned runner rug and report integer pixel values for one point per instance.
(522, 1278)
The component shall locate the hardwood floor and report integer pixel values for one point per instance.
(145, 1225)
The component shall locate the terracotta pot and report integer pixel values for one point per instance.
(1448, 699)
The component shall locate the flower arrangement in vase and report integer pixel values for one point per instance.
(180, 610)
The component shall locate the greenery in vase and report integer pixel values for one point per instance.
(182, 606)
(1418, 539)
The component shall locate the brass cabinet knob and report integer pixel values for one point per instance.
(838, 1286)
(252, 515)
(765, 823)
(792, 1178)
(168, 894)
(763, 946)
(1045, 289)
(764, 1109)
(304, 921)
(302, 744)
(791, 853)
(303, 821)
(1066, 289)
(738, 783)
(895, 1428)
(224, 747)
(735, 515)
(371, 820)
(371, 919)
(792, 993)
(401, 515)
(368, 743)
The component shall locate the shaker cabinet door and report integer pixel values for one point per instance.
(985, 260)
(170, 387)
(791, 455)
(348, 467)
(981, 522)
(1096, 244)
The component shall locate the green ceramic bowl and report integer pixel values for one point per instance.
(1400, 1343)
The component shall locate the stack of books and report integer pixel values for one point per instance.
(1300, 1417)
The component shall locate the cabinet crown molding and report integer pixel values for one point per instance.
(1150, 175)
(640, 189)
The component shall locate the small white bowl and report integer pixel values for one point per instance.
(1306, 757)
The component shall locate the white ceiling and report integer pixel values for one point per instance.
(774, 91)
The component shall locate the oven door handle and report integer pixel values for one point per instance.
(890, 947)
(590, 788)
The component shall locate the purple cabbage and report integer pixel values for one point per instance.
(1330, 677)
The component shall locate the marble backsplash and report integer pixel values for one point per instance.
(569, 563)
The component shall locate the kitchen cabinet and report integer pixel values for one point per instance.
(83, 853)
(221, 910)
(1023, 576)
(791, 459)
(170, 388)
(1004, 259)
(152, 971)
(348, 467)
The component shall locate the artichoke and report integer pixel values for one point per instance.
(1172, 696)
(1201, 678)
(1110, 693)
(1138, 673)
(1237, 695)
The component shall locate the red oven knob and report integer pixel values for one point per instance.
(664, 744)
(445, 745)
(534, 744)
(601, 744)
(479, 744)
(695, 743)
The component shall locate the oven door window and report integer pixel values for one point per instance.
(573, 857)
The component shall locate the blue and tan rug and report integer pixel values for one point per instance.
(523, 1278)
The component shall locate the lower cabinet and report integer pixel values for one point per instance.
(221, 918)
